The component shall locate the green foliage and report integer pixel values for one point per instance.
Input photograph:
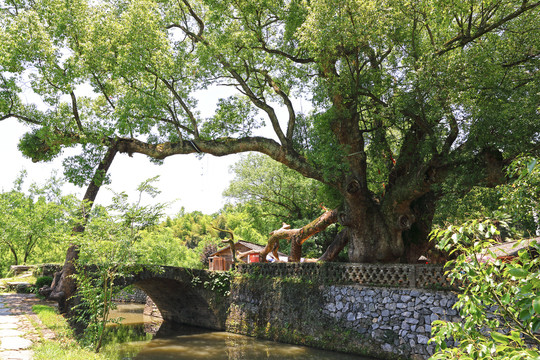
(34, 146)
(521, 198)
(235, 116)
(43, 280)
(284, 194)
(34, 225)
(107, 253)
(518, 200)
(219, 282)
(456, 208)
(500, 302)
(80, 168)
(273, 194)
(63, 346)
(182, 240)
(406, 96)
(389, 59)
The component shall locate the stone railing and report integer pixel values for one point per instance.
(386, 275)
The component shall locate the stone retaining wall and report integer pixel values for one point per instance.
(397, 320)
(383, 322)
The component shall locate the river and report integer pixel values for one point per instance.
(144, 338)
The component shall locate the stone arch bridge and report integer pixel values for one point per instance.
(183, 295)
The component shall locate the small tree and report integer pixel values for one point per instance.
(106, 253)
(207, 250)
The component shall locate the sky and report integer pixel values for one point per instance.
(191, 183)
(187, 181)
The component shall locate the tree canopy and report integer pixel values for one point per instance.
(410, 99)
(34, 225)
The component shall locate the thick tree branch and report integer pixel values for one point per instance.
(298, 236)
(293, 58)
(221, 147)
(75, 110)
(333, 250)
(286, 100)
(181, 101)
(195, 16)
(102, 88)
(452, 136)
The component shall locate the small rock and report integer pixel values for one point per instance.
(423, 339)
(438, 310)
(405, 298)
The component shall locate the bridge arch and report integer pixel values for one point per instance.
(180, 295)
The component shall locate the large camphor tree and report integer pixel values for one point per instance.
(410, 99)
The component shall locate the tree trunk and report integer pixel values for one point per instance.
(416, 239)
(339, 243)
(374, 231)
(372, 238)
(64, 287)
(15, 257)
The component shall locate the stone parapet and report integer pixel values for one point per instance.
(392, 275)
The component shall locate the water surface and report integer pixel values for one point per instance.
(142, 338)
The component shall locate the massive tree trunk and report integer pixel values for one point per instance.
(374, 231)
(64, 287)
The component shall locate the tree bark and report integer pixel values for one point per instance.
(339, 243)
(15, 257)
(372, 237)
(416, 239)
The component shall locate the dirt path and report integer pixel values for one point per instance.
(17, 332)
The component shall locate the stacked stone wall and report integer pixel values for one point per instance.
(398, 320)
(298, 305)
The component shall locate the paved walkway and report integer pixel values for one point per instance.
(17, 334)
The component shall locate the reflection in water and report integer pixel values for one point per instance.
(186, 342)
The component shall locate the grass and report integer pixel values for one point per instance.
(64, 346)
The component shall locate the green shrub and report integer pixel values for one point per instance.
(43, 281)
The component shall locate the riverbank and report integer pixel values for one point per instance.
(20, 328)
